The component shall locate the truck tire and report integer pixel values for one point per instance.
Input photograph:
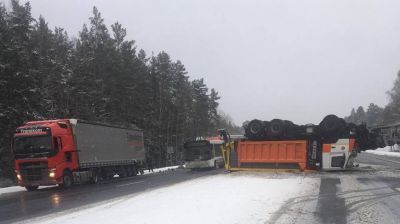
(95, 177)
(67, 180)
(255, 129)
(104, 174)
(130, 171)
(31, 188)
(332, 128)
(331, 123)
(134, 171)
(276, 128)
(289, 129)
(122, 171)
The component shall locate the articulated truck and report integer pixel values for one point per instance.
(68, 151)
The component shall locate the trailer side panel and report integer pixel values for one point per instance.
(99, 145)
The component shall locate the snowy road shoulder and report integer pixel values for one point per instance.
(6, 190)
(383, 153)
(387, 151)
(224, 198)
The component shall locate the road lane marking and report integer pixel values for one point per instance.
(397, 189)
(122, 185)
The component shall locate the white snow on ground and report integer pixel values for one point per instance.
(387, 151)
(18, 188)
(225, 198)
(158, 170)
(13, 189)
(162, 169)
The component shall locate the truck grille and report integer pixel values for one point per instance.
(33, 171)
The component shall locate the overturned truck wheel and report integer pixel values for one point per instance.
(255, 129)
(276, 128)
(332, 127)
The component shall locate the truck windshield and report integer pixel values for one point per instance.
(33, 145)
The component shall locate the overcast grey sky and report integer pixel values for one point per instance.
(297, 60)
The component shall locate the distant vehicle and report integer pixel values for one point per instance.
(68, 151)
(203, 153)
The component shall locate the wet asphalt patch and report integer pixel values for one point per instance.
(330, 207)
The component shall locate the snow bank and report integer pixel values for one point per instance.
(18, 188)
(394, 148)
(387, 151)
(384, 153)
(13, 189)
(163, 169)
(225, 198)
(6, 190)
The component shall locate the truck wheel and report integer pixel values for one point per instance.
(134, 171)
(31, 188)
(95, 177)
(276, 127)
(129, 171)
(104, 175)
(122, 172)
(255, 129)
(67, 180)
(332, 123)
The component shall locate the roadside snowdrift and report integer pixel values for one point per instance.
(226, 198)
(12, 189)
(386, 151)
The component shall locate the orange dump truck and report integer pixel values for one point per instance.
(307, 154)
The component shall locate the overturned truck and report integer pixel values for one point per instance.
(331, 145)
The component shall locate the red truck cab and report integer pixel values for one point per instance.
(44, 153)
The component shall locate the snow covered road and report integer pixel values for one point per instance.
(368, 194)
(223, 198)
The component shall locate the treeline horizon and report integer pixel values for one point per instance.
(375, 115)
(98, 76)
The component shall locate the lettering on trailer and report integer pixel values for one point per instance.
(135, 139)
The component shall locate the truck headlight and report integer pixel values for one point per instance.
(52, 173)
(18, 175)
